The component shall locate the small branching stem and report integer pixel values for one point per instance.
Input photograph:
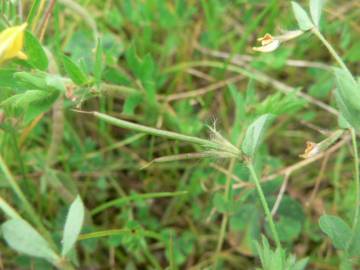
(154, 131)
(57, 132)
(330, 48)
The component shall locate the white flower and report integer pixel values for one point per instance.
(311, 150)
(270, 43)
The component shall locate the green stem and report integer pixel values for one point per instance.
(151, 257)
(330, 48)
(116, 90)
(264, 204)
(224, 223)
(137, 197)
(215, 64)
(357, 178)
(225, 217)
(153, 131)
(126, 231)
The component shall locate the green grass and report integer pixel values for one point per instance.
(137, 135)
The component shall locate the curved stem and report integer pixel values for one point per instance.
(357, 178)
(154, 131)
(330, 48)
(264, 204)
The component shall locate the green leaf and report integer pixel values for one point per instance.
(347, 96)
(254, 134)
(7, 79)
(76, 74)
(35, 52)
(240, 111)
(31, 103)
(290, 228)
(23, 238)
(220, 203)
(33, 10)
(131, 103)
(73, 224)
(348, 87)
(342, 122)
(338, 231)
(98, 68)
(279, 103)
(133, 60)
(347, 114)
(8, 210)
(302, 17)
(277, 259)
(354, 246)
(40, 106)
(300, 265)
(240, 219)
(31, 81)
(315, 10)
(55, 82)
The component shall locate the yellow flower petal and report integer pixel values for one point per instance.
(21, 55)
(11, 43)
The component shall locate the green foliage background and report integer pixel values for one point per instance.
(177, 65)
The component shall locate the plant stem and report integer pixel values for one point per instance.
(225, 217)
(123, 200)
(154, 131)
(224, 223)
(264, 204)
(357, 178)
(330, 48)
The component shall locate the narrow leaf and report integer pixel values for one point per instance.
(25, 239)
(73, 224)
(348, 87)
(302, 17)
(8, 210)
(98, 68)
(254, 134)
(35, 52)
(76, 74)
(315, 10)
(347, 114)
(347, 97)
(354, 246)
(336, 228)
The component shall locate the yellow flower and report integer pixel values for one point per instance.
(11, 43)
(270, 43)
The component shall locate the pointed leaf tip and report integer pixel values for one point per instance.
(315, 10)
(302, 17)
(73, 225)
(255, 133)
